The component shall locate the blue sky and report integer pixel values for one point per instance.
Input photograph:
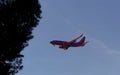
(98, 20)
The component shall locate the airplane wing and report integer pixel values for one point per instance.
(80, 43)
(60, 43)
(72, 41)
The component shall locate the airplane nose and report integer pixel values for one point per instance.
(52, 42)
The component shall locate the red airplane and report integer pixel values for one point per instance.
(65, 45)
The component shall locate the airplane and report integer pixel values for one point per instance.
(65, 45)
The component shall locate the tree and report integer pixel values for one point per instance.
(17, 20)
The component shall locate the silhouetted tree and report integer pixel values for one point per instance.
(17, 20)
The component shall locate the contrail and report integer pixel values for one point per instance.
(95, 43)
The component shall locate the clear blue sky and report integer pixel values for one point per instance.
(98, 20)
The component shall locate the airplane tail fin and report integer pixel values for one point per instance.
(85, 43)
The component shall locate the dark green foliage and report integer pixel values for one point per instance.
(17, 20)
